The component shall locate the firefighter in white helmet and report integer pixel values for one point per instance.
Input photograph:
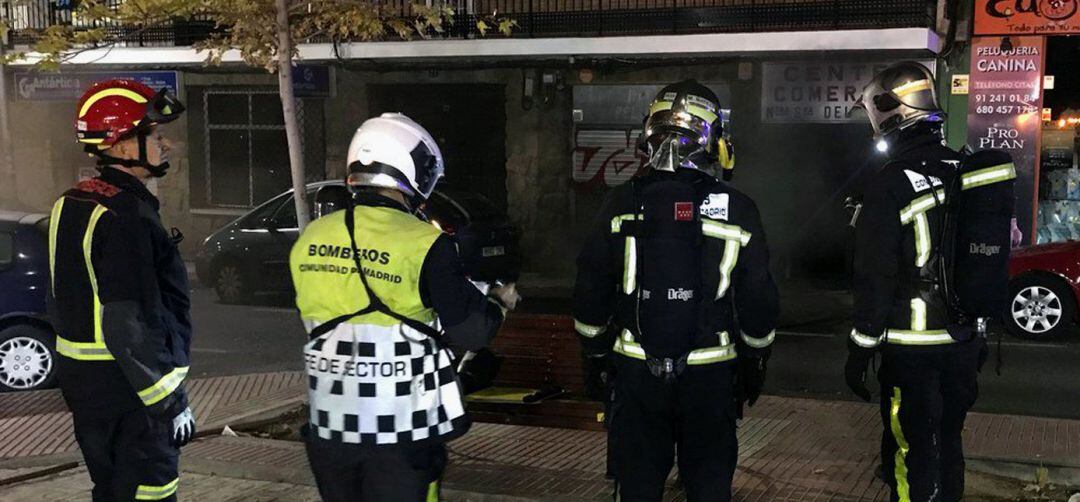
(386, 303)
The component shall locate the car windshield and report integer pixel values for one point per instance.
(477, 206)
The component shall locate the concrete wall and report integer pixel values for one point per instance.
(793, 171)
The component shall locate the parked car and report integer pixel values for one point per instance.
(251, 254)
(27, 338)
(1044, 287)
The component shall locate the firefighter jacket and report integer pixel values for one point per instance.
(708, 233)
(120, 299)
(373, 379)
(897, 247)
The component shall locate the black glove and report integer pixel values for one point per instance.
(479, 372)
(856, 368)
(751, 373)
(599, 374)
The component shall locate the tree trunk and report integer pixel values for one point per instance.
(7, 163)
(288, 105)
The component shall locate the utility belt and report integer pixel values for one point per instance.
(669, 369)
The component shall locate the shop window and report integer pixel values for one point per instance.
(241, 157)
(1059, 166)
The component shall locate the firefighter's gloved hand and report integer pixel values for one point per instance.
(856, 368)
(752, 369)
(598, 375)
(506, 295)
(183, 426)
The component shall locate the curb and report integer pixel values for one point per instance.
(39, 473)
(304, 476)
(1024, 470)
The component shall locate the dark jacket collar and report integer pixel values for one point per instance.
(374, 199)
(129, 183)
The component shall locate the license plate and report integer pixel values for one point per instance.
(493, 251)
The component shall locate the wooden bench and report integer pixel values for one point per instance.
(540, 350)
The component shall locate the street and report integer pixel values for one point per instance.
(1040, 379)
(238, 339)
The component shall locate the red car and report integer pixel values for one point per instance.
(1044, 286)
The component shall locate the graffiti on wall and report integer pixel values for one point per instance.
(606, 157)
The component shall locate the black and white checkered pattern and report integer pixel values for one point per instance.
(402, 387)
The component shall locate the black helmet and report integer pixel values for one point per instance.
(899, 97)
(685, 129)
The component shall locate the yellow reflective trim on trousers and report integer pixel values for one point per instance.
(990, 175)
(929, 337)
(163, 387)
(124, 93)
(918, 315)
(87, 244)
(923, 242)
(433, 492)
(630, 266)
(921, 205)
(151, 492)
(83, 351)
(902, 489)
(727, 265)
(626, 346)
(54, 226)
(616, 222)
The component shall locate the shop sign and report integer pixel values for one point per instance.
(1005, 109)
(960, 84)
(815, 91)
(69, 86)
(1026, 17)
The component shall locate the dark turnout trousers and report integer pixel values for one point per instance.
(351, 473)
(926, 394)
(130, 456)
(653, 422)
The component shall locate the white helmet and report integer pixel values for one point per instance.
(393, 151)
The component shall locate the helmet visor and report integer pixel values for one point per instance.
(164, 107)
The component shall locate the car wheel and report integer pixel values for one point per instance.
(1042, 308)
(230, 283)
(27, 358)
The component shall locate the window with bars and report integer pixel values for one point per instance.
(240, 157)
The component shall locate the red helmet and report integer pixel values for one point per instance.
(115, 109)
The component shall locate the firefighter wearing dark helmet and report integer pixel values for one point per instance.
(914, 208)
(674, 298)
(119, 292)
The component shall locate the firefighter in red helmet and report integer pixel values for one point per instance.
(119, 293)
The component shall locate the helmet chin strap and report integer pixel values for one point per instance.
(105, 160)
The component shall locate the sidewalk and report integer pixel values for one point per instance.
(791, 450)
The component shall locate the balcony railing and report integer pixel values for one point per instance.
(558, 18)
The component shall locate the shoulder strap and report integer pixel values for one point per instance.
(375, 304)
